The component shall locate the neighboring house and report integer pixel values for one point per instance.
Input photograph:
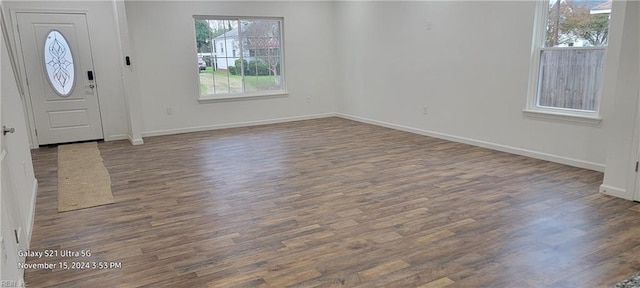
(226, 47)
(604, 8)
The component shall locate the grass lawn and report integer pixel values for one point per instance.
(222, 82)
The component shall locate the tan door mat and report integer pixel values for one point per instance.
(83, 181)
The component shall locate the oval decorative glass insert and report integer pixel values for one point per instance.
(58, 61)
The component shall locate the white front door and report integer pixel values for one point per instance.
(14, 229)
(61, 80)
(9, 263)
(11, 231)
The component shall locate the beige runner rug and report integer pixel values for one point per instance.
(83, 181)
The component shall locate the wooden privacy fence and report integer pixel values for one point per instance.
(570, 77)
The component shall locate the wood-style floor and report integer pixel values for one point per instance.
(335, 203)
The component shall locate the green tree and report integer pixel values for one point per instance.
(569, 20)
(203, 36)
(581, 23)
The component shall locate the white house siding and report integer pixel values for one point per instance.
(226, 58)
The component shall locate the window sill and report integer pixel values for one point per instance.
(564, 117)
(227, 98)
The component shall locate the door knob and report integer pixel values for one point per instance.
(6, 130)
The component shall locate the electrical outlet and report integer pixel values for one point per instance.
(425, 110)
(169, 111)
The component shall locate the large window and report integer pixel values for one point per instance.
(570, 57)
(242, 55)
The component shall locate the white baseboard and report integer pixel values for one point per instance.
(116, 137)
(128, 137)
(234, 125)
(616, 191)
(137, 141)
(499, 147)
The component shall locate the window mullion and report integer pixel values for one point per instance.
(241, 42)
(212, 59)
(226, 59)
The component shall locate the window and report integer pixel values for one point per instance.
(570, 57)
(254, 66)
(58, 61)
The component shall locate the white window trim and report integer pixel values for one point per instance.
(247, 96)
(212, 98)
(573, 116)
(552, 113)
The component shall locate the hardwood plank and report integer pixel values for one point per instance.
(383, 269)
(334, 203)
(442, 282)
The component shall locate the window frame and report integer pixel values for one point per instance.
(532, 108)
(206, 98)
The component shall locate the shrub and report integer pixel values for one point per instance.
(251, 68)
(238, 63)
(257, 68)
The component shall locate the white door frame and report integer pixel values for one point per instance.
(634, 186)
(26, 100)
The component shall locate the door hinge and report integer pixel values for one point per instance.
(15, 232)
(637, 166)
(36, 130)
